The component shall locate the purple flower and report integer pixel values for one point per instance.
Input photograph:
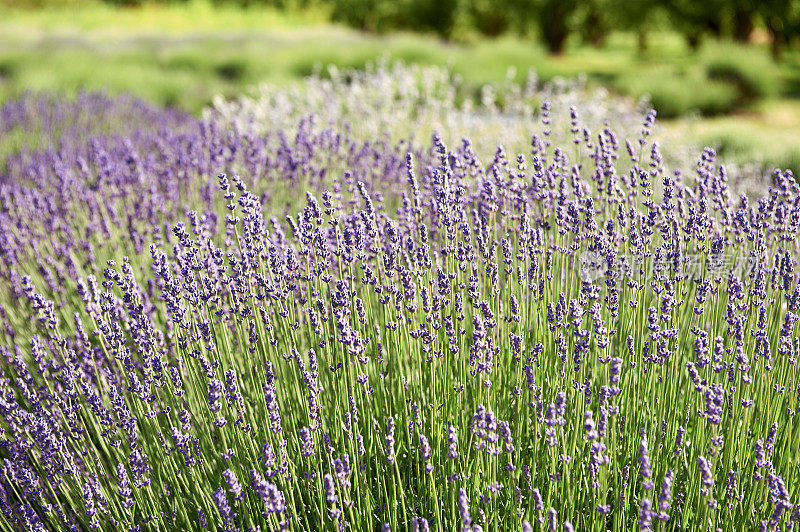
(452, 443)
(390, 440)
(706, 475)
(234, 486)
(646, 515)
(221, 501)
(425, 450)
(271, 496)
(665, 495)
(306, 442)
(644, 461)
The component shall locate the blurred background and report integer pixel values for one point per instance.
(722, 73)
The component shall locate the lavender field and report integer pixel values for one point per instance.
(364, 302)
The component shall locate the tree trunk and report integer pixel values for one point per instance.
(775, 27)
(554, 24)
(642, 41)
(594, 27)
(693, 40)
(555, 41)
(742, 25)
(777, 47)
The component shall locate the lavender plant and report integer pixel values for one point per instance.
(408, 101)
(96, 187)
(398, 101)
(42, 121)
(574, 337)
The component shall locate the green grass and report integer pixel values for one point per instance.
(768, 133)
(183, 55)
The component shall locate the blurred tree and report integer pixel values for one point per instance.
(553, 20)
(743, 19)
(782, 19)
(695, 19)
(385, 15)
(355, 13)
(488, 17)
(439, 16)
(633, 15)
(594, 21)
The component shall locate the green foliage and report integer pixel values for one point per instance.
(671, 93)
(789, 160)
(380, 16)
(694, 19)
(782, 19)
(554, 21)
(751, 71)
(487, 17)
(595, 22)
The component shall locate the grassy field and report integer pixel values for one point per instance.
(184, 55)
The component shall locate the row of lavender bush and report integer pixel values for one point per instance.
(321, 327)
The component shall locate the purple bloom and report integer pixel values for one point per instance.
(644, 461)
(221, 501)
(390, 440)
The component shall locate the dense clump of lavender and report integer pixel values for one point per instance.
(41, 121)
(104, 178)
(398, 101)
(408, 101)
(560, 339)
